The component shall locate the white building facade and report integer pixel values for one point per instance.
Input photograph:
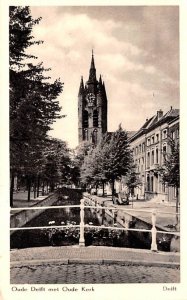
(148, 146)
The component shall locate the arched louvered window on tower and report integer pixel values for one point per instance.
(85, 119)
(95, 118)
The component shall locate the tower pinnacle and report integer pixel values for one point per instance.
(92, 73)
(81, 88)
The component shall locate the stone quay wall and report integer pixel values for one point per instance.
(22, 217)
(127, 220)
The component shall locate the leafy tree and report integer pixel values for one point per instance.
(117, 157)
(33, 104)
(78, 158)
(109, 161)
(170, 171)
(56, 163)
(133, 180)
(92, 168)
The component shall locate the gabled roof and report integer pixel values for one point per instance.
(155, 121)
(172, 113)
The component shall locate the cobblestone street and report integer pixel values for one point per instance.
(51, 273)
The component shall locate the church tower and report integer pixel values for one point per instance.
(92, 107)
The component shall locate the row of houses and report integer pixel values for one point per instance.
(148, 145)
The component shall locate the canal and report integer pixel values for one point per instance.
(70, 236)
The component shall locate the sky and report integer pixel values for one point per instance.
(136, 50)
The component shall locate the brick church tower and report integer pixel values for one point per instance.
(92, 107)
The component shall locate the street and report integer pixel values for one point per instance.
(51, 273)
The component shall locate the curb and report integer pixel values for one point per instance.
(18, 264)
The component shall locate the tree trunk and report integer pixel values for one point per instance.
(34, 187)
(29, 189)
(120, 191)
(96, 188)
(12, 190)
(47, 187)
(113, 189)
(38, 185)
(103, 214)
(43, 186)
(177, 207)
(52, 186)
(103, 188)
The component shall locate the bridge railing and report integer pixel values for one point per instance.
(154, 231)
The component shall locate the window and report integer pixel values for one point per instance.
(152, 157)
(148, 183)
(148, 159)
(157, 137)
(164, 149)
(164, 134)
(152, 140)
(151, 185)
(85, 119)
(95, 118)
(85, 134)
(143, 147)
(148, 142)
(177, 133)
(156, 155)
(163, 188)
(140, 147)
(173, 135)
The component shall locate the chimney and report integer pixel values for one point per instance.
(159, 114)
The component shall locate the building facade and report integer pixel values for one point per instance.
(92, 108)
(149, 144)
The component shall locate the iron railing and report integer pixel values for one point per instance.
(154, 231)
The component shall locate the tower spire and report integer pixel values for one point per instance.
(92, 73)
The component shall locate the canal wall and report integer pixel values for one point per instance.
(22, 217)
(126, 220)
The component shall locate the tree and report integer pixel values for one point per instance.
(117, 157)
(170, 171)
(78, 157)
(91, 169)
(33, 104)
(56, 163)
(109, 161)
(132, 180)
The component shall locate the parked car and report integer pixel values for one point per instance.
(93, 191)
(123, 199)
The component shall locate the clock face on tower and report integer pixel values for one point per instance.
(90, 99)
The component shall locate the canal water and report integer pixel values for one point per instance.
(70, 236)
